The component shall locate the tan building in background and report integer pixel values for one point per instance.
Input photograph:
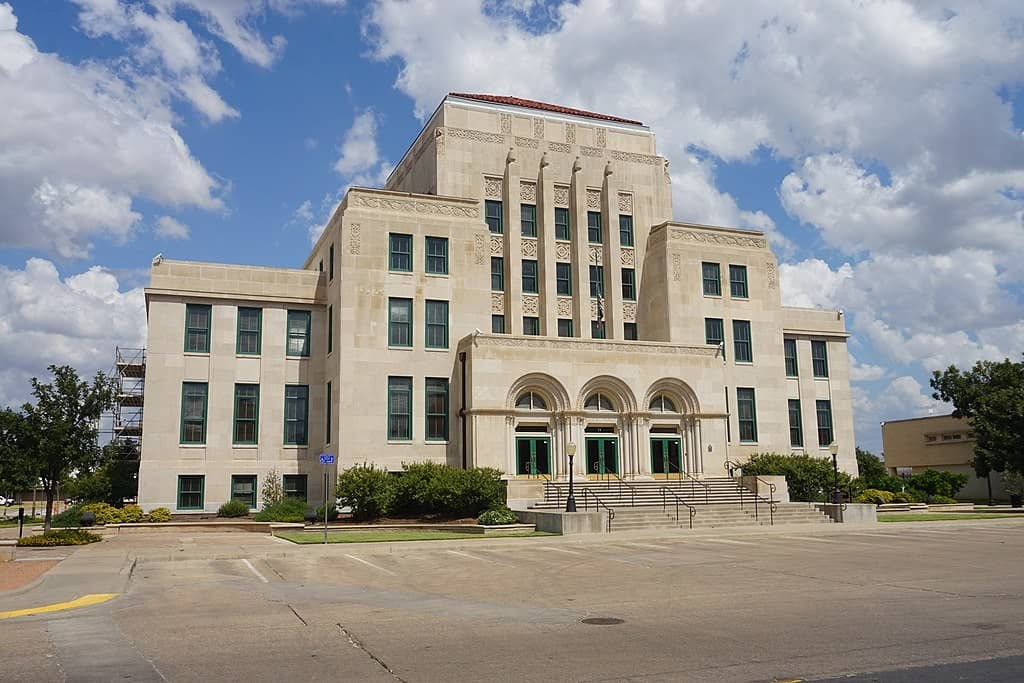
(518, 285)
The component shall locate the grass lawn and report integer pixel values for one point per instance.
(13, 521)
(938, 516)
(398, 535)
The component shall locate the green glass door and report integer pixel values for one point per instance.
(666, 456)
(602, 455)
(533, 455)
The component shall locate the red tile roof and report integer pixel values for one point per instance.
(543, 106)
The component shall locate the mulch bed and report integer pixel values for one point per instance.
(14, 575)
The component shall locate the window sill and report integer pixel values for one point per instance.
(436, 275)
(297, 357)
(401, 442)
(817, 377)
(245, 446)
(400, 272)
(792, 376)
(438, 442)
(247, 355)
(399, 348)
(712, 296)
(196, 353)
(191, 445)
(295, 446)
(743, 362)
(430, 349)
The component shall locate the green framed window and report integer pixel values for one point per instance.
(597, 329)
(629, 284)
(399, 322)
(400, 253)
(197, 328)
(330, 329)
(712, 276)
(193, 412)
(330, 261)
(529, 276)
(796, 430)
(625, 230)
(789, 351)
(296, 414)
(594, 227)
(746, 413)
(298, 333)
(563, 279)
(823, 409)
(492, 214)
(243, 489)
(247, 414)
(528, 219)
(565, 327)
(531, 325)
(819, 358)
(596, 280)
(497, 324)
(497, 274)
(437, 324)
(629, 331)
(714, 333)
(399, 408)
(437, 255)
(328, 409)
(562, 231)
(296, 486)
(738, 281)
(436, 409)
(250, 326)
(741, 341)
(190, 491)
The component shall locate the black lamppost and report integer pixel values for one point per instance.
(570, 502)
(834, 450)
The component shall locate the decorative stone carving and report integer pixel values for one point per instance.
(544, 163)
(439, 141)
(594, 200)
(677, 267)
(627, 256)
(577, 166)
(772, 278)
(563, 251)
(529, 247)
(559, 147)
(497, 245)
(570, 133)
(478, 135)
(538, 128)
(636, 158)
(354, 238)
(600, 137)
(527, 142)
(415, 206)
(479, 247)
(492, 187)
(591, 151)
(625, 202)
(596, 255)
(629, 311)
(506, 123)
(668, 178)
(724, 240)
(561, 195)
(608, 345)
(528, 192)
(497, 302)
(531, 304)
(511, 157)
(564, 307)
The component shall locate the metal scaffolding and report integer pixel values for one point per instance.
(130, 378)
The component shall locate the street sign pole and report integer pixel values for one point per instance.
(326, 459)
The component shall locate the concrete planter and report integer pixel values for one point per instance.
(565, 523)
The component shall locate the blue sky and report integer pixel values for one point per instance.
(880, 146)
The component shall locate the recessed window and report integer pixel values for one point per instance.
(663, 404)
(243, 489)
(296, 486)
(400, 253)
(492, 214)
(399, 408)
(497, 324)
(712, 277)
(824, 413)
(531, 325)
(562, 223)
(819, 358)
(629, 331)
(714, 333)
(497, 274)
(531, 400)
(565, 327)
(529, 276)
(247, 411)
(437, 255)
(296, 414)
(600, 402)
(330, 329)
(328, 409)
(330, 262)
(738, 281)
(437, 409)
(796, 432)
(437, 324)
(399, 322)
(298, 333)
(597, 329)
(746, 413)
(625, 230)
(789, 350)
(190, 491)
(594, 227)
(741, 341)
(563, 279)
(193, 412)
(596, 280)
(250, 322)
(528, 219)
(628, 284)
(197, 328)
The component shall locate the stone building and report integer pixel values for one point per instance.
(519, 285)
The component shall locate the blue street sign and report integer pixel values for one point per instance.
(327, 458)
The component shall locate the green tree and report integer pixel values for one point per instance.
(62, 425)
(115, 478)
(808, 478)
(872, 469)
(990, 396)
(15, 470)
(937, 483)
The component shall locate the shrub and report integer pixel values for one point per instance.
(61, 537)
(70, 517)
(369, 492)
(497, 516)
(332, 514)
(937, 483)
(130, 514)
(468, 492)
(904, 497)
(875, 496)
(942, 500)
(809, 478)
(159, 515)
(233, 508)
(285, 510)
(103, 512)
(415, 492)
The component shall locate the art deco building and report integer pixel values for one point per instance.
(519, 285)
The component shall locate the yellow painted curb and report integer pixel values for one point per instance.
(84, 601)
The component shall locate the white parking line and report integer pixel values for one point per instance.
(559, 550)
(476, 557)
(253, 570)
(649, 545)
(723, 540)
(371, 564)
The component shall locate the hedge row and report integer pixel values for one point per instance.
(60, 537)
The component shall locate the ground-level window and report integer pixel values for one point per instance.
(824, 413)
(399, 408)
(190, 491)
(437, 409)
(746, 412)
(243, 488)
(796, 432)
(296, 486)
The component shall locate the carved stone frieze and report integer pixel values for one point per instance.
(561, 195)
(527, 142)
(529, 247)
(559, 147)
(724, 240)
(574, 344)
(591, 151)
(506, 123)
(677, 267)
(563, 251)
(570, 133)
(635, 157)
(492, 187)
(538, 128)
(415, 206)
(629, 311)
(531, 304)
(478, 135)
(627, 256)
(600, 137)
(354, 238)
(625, 202)
(564, 307)
(497, 245)
(479, 248)
(596, 255)
(594, 200)
(497, 302)
(528, 192)
(773, 280)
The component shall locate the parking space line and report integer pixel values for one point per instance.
(253, 570)
(371, 564)
(477, 558)
(725, 540)
(559, 550)
(649, 545)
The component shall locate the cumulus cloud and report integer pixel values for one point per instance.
(169, 227)
(359, 148)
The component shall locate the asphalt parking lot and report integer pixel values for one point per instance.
(908, 600)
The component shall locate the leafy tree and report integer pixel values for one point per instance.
(115, 479)
(937, 483)
(15, 472)
(808, 478)
(990, 397)
(62, 425)
(872, 469)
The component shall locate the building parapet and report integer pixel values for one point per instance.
(712, 234)
(219, 280)
(815, 322)
(578, 344)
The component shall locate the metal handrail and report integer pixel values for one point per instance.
(664, 504)
(632, 491)
(597, 503)
(731, 466)
(548, 486)
(693, 480)
(771, 500)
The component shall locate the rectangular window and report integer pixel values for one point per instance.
(296, 414)
(594, 227)
(298, 333)
(562, 231)
(597, 329)
(247, 412)
(400, 253)
(565, 327)
(563, 279)
(625, 230)
(243, 489)
(399, 408)
(529, 276)
(250, 323)
(329, 409)
(531, 325)
(712, 276)
(629, 284)
(193, 412)
(497, 274)
(596, 280)
(330, 329)
(746, 413)
(296, 486)
(497, 324)
(819, 358)
(197, 328)
(437, 409)
(492, 214)
(190, 491)
(330, 262)
(437, 255)
(789, 351)
(629, 331)
(824, 411)
(741, 341)
(528, 219)
(321, 265)
(399, 322)
(738, 281)
(796, 431)
(714, 333)
(437, 324)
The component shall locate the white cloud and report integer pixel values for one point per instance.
(359, 148)
(864, 372)
(169, 227)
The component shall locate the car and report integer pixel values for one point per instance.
(5, 501)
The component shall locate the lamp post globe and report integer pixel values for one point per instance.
(570, 501)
